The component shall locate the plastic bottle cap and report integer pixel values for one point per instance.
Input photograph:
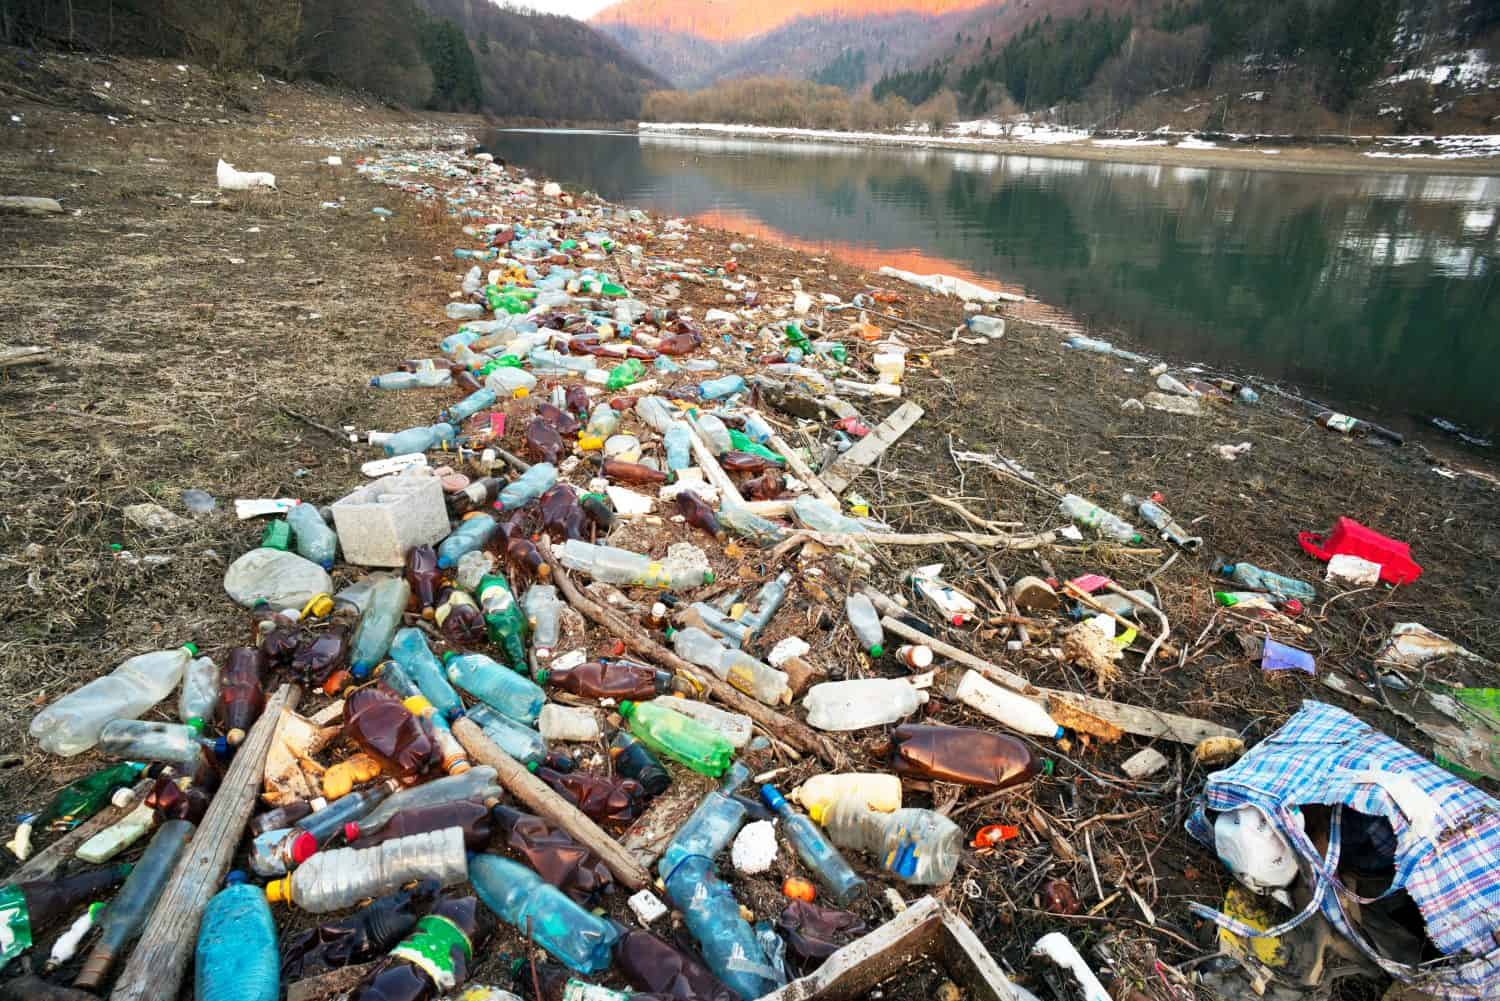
(235, 737)
(817, 812)
(1048, 764)
(351, 831)
(448, 655)
(304, 847)
(772, 796)
(191, 648)
(876, 650)
(708, 576)
(626, 707)
(196, 723)
(235, 877)
(279, 890)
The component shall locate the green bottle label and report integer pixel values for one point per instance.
(431, 949)
(15, 924)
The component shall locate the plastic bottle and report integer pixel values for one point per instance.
(823, 517)
(553, 855)
(459, 618)
(1161, 519)
(470, 815)
(390, 733)
(562, 515)
(620, 566)
(66, 946)
(242, 696)
(378, 624)
(613, 679)
(543, 610)
(200, 691)
(614, 803)
(718, 389)
(421, 574)
(510, 383)
(473, 533)
(1015, 711)
(866, 623)
(920, 846)
(365, 934)
(879, 791)
(476, 783)
(520, 742)
(503, 619)
(543, 913)
(733, 727)
(866, 702)
(311, 536)
(527, 487)
(71, 725)
(744, 672)
(496, 686)
(678, 443)
(1090, 515)
(634, 760)
(147, 740)
(27, 909)
(285, 815)
(435, 958)
(964, 755)
(618, 471)
(656, 967)
(628, 371)
(992, 327)
(729, 945)
(409, 649)
(274, 852)
(604, 420)
(78, 801)
(1249, 576)
(236, 957)
(119, 836)
(128, 911)
(463, 310)
(714, 433)
(469, 406)
(419, 439)
(758, 430)
(330, 881)
(678, 737)
(697, 513)
(815, 851)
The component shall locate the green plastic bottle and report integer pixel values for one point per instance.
(679, 737)
(504, 619)
(278, 535)
(612, 291)
(80, 800)
(628, 371)
(742, 442)
(796, 338)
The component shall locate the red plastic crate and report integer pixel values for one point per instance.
(1350, 538)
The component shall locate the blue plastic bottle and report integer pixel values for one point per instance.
(312, 538)
(409, 649)
(419, 439)
(679, 442)
(378, 624)
(495, 685)
(756, 427)
(237, 956)
(1257, 579)
(527, 487)
(718, 389)
(470, 536)
(469, 406)
(520, 742)
(815, 850)
(462, 339)
(540, 911)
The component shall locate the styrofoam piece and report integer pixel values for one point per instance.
(1144, 763)
(1352, 571)
(646, 907)
(395, 464)
(786, 649)
(754, 847)
(381, 521)
(569, 724)
(628, 503)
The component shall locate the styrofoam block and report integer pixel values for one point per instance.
(381, 521)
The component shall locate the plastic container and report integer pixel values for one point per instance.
(330, 881)
(879, 791)
(378, 625)
(1015, 711)
(72, 724)
(815, 850)
(472, 534)
(409, 649)
(147, 740)
(866, 702)
(758, 680)
(678, 737)
(920, 846)
(1349, 538)
(543, 913)
(128, 911)
(200, 691)
(311, 536)
(866, 623)
(733, 727)
(520, 742)
(495, 685)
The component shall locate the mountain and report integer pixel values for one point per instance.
(695, 42)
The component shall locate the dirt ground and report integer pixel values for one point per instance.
(189, 330)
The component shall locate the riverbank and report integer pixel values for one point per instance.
(1463, 155)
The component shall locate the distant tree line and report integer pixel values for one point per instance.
(776, 101)
(913, 86)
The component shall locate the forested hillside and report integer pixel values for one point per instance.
(450, 55)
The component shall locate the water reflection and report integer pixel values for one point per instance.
(1376, 287)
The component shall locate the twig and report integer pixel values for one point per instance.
(1088, 844)
(340, 436)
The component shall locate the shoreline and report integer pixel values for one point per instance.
(1286, 158)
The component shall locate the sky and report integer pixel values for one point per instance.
(580, 9)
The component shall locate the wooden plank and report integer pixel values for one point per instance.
(649, 836)
(159, 961)
(800, 469)
(704, 456)
(335, 982)
(44, 863)
(872, 446)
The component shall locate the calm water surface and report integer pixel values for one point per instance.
(1377, 290)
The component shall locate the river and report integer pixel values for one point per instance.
(1375, 290)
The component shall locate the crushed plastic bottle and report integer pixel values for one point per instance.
(311, 536)
(331, 881)
(378, 625)
(543, 913)
(920, 846)
(434, 958)
(1090, 515)
(620, 566)
(678, 737)
(865, 702)
(754, 678)
(495, 685)
(72, 724)
(1254, 578)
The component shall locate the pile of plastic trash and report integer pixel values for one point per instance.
(471, 688)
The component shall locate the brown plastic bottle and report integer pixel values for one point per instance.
(962, 754)
(369, 932)
(543, 443)
(696, 512)
(618, 471)
(421, 573)
(388, 732)
(653, 965)
(476, 496)
(613, 679)
(178, 799)
(241, 696)
(679, 344)
(524, 562)
(744, 462)
(276, 634)
(403, 980)
(459, 618)
(283, 816)
(562, 517)
(321, 654)
(613, 803)
(577, 401)
(767, 486)
(560, 420)
(554, 855)
(470, 814)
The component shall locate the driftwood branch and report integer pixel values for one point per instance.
(1019, 542)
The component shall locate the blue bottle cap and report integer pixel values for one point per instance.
(235, 877)
(772, 796)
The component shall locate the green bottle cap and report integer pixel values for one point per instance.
(876, 650)
(196, 723)
(448, 655)
(626, 708)
(1048, 765)
(191, 648)
(532, 766)
(541, 676)
(708, 576)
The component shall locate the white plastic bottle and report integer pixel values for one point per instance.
(866, 702)
(920, 846)
(1015, 711)
(620, 566)
(878, 791)
(758, 680)
(200, 691)
(331, 881)
(71, 725)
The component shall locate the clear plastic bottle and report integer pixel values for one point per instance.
(765, 604)
(880, 791)
(476, 783)
(620, 566)
(543, 610)
(865, 702)
(148, 740)
(758, 680)
(1161, 519)
(419, 439)
(520, 742)
(724, 386)
(756, 427)
(495, 685)
(546, 361)
(1090, 515)
(1015, 711)
(992, 327)
(509, 383)
(1256, 579)
(866, 623)
(424, 378)
(604, 420)
(745, 523)
(311, 537)
(463, 337)
(471, 535)
(331, 881)
(815, 850)
(378, 625)
(733, 727)
(237, 958)
(200, 691)
(920, 846)
(678, 441)
(821, 516)
(469, 406)
(657, 413)
(472, 568)
(272, 853)
(527, 487)
(678, 737)
(715, 434)
(463, 310)
(580, 940)
(320, 827)
(409, 649)
(71, 725)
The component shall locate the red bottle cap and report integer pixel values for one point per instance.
(304, 848)
(351, 831)
(1293, 607)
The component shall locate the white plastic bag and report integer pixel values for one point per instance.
(243, 180)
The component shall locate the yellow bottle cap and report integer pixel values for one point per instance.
(318, 606)
(416, 704)
(279, 890)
